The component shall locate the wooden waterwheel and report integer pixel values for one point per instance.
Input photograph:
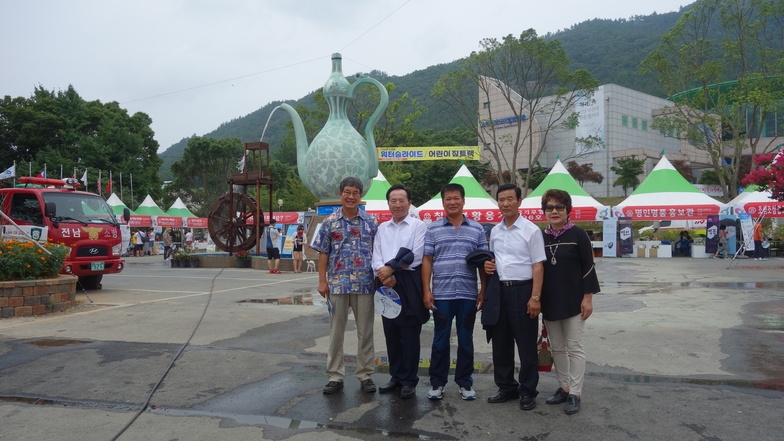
(232, 222)
(236, 220)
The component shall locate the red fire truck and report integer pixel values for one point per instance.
(78, 219)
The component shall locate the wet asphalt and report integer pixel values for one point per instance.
(681, 348)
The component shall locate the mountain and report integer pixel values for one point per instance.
(610, 49)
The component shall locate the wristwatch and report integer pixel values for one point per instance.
(535, 298)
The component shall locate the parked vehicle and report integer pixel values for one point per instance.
(64, 215)
(697, 226)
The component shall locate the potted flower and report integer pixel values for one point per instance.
(181, 259)
(242, 258)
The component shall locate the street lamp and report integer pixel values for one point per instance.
(280, 204)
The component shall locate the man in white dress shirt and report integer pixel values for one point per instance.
(518, 246)
(404, 232)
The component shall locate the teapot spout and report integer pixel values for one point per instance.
(302, 142)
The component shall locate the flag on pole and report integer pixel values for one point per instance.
(10, 172)
(42, 174)
(109, 185)
(84, 180)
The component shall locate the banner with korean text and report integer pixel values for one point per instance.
(460, 152)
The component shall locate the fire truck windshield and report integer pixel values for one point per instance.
(82, 208)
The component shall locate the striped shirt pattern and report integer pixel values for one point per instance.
(452, 277)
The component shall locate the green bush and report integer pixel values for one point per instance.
(24, 260)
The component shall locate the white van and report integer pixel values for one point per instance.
(691, 225)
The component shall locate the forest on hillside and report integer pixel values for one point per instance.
(611, 50)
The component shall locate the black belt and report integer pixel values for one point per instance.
(515, 282)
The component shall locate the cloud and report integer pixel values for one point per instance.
(192, 65)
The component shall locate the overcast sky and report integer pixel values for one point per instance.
(192, 65)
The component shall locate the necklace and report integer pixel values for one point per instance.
(553, 251)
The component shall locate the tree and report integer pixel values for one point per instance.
(583, 173)
(723, 95)
(61, 130)
(201, 176)
(627, 170)
(684, 168)
(539, 92)
(769, 175)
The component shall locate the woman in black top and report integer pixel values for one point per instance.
(569, 283)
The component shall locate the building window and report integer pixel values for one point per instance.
(625, 121)
(486, 105)
(645, 125)
(634, 123)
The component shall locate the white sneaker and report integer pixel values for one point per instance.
(436, 393)
(467, 393)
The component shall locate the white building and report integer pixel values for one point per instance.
(620, 117)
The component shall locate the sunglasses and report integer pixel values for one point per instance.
(559, 207)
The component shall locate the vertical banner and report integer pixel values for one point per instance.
(590, 123)
(626, 245)
(712, 235)
(732, 231)
(609, 236)
(747, 227)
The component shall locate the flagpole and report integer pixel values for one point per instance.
(61, 171)
(99, 183)
(121, 192)
(132, 201)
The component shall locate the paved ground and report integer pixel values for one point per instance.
(687, 349)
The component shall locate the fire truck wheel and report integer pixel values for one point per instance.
(91, 282)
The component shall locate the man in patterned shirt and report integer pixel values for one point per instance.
(454, 293)
(345, 246)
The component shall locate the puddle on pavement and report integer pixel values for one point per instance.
(286, 423)
(53, 343)
(298, 299)
(778, 286)
(775, 385)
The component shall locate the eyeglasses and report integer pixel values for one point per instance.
(551, 207)
(349, 193)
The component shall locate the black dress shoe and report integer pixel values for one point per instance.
(389, 387)
(503, 396)
(407, 392)
(558, 397)
(572, 404)
(527, 402)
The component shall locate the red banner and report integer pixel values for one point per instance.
(285, 217)
(196, 222)
(380, 215)
(668, 212)
(169, 221)
(140, 221)
(492, 216)
(769, 209)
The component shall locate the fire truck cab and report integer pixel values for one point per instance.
(78, 219)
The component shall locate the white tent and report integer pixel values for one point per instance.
(584, 206)
(665, 194)
(479, 205)
(757, 203)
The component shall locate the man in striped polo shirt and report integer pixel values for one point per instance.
(453, 295)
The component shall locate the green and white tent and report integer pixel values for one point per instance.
(479, 205)
(148, 207)
(757, 203)
(178, 209)
(117, 205)
(376, 198)
(666, 195)
(584, 207)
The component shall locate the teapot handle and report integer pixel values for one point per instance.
(371, 124)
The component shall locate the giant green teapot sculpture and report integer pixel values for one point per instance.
(338, 151)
